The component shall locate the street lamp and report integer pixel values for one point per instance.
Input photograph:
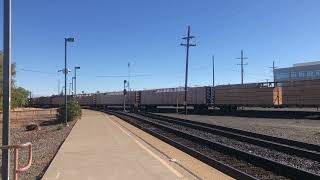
(75, 80)
(66, 40)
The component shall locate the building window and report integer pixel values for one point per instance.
(293, 74)
(309, 73)
(302, 74)
(281, 76)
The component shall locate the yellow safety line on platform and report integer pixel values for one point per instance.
(178, 174)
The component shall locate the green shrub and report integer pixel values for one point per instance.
(60, 126)
(74, 111)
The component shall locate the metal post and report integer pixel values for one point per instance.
(187, 63)
(273, 68)
(124, 95)
(213, 90)
(241, 67)
(186, 75)
(72, 86)
(65, 82)
(242, 64)
(75, 82)
(128, 84)
(6, 88)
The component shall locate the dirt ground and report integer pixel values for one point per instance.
(304, 130)
(45, 143)
(23, 116)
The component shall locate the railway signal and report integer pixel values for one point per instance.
(242, 64)
(187, 45)
(124, 94)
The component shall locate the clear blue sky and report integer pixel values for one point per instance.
(147, 33)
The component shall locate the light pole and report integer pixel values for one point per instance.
(66, 40)
(6, 87)
(75, 80)
(70, 88)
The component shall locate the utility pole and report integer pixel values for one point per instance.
(6, 88)
(128, 83)
(58, 86)
(242, 64)
(273, 68)
(213, 91)
(188, 38)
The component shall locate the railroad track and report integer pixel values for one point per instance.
(196, 141)
(287, 146)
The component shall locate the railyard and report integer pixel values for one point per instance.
(125, 112)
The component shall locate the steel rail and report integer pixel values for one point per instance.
(259, 161)
(288, 149)
(288, 142)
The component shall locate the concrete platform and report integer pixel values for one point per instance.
(98, 148)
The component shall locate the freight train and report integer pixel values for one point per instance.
(298, 93)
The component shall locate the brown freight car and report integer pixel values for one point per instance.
(301, 93)
(229, 97)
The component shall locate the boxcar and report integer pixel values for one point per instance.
(86, 99)
(115, 98)
(196, 96)
(301, 93)
(254, 94)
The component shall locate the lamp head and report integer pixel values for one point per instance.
(70, 39)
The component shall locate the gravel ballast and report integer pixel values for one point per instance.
(45, 144)
(303, 130)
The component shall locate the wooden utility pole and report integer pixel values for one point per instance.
(188, 38)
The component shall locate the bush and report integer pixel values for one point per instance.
(74, 112)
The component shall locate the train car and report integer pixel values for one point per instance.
(300, 93)
(40, 101)
(229, 97)
(198, 97)
(116, 99)
(86, 99)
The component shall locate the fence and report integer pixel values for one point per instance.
(23, 117)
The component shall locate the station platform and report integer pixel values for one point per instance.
(98, 148)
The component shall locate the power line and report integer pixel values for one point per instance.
(121, 76)
(34, 71)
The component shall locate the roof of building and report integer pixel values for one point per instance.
(307, 64)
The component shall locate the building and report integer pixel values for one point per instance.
(300, 71)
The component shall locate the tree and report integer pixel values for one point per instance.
(19, 95)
